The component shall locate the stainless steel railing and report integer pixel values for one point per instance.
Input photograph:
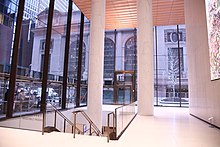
(65, 119)
(113, 124)
(92, 127)
(121, 118)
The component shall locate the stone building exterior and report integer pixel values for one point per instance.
(167, 53)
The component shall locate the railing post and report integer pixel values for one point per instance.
(74, 131)
(83, 129)
(55, 119)
(90, 129)
(108, 137)
(113, 125)
(114, 122)
(64, 129)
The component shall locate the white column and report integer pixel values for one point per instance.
(145, 57)
(96, 61)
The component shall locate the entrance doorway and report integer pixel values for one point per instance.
(124, 87)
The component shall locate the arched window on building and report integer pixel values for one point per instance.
(130, 54)
(73, 59)
(109, 58)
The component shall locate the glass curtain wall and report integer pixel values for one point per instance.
(170, 58)
(27, 97)
(109, 67)
(120, 56)
(131, 62)
(85, 63)
(74, 57)
(170, 66)
(8, 12)
(56, 54)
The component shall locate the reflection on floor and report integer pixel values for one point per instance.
(169, 127)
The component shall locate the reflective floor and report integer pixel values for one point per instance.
(169, 127)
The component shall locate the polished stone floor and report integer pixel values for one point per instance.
(169, 127)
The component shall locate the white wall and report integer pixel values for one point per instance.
(204, 93)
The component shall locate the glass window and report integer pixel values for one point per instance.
(73, 59)
(130, 54)
(109, 58)
(171, 80)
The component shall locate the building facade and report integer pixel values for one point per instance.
(119, 54)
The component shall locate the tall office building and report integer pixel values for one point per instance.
(7, 15)
(34, 7)
(30, 9)
(60, 5)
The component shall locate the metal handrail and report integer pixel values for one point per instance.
(91, 123)
(84, 96)
(65, 120)
(115, 120)
(124, 105)
(98, 132)
(113, 124)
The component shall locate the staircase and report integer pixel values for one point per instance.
(50, 129)
(109, 132)
(92, 127)
(67, 126)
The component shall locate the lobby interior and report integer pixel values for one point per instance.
(203, 93)
(197, 125)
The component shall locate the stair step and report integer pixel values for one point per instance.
(112, 134)
(50, 129)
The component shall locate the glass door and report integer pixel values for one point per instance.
(124, 95)
(123, 87)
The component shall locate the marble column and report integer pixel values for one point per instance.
(96, 61)
(145, 66)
